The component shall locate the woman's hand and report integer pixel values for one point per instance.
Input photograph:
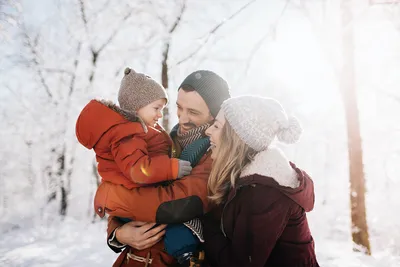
(138, 235)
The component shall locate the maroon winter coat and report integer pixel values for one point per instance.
(263, 221)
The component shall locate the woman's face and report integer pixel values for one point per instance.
(214, 132)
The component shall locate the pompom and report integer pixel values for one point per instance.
(127, 71)
(291, 132)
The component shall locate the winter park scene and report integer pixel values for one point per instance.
(200, 133)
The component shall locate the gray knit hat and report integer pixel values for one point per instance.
(138, 90)
(257, 120)
(210, 86)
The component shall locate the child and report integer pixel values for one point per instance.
(131, 148)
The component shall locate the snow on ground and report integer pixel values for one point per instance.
(73, 243)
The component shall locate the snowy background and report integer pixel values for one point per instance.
(55, 55)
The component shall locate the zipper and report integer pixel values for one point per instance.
(223, 210)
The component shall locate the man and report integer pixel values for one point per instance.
(199, 99)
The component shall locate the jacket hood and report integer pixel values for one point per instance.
(271, 168)
(97, 117)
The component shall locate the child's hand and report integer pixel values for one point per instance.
(184, 168)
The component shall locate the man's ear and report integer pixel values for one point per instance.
(211, 119)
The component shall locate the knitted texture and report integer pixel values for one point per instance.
(257, 120)
(193, 152)
(138, 90)
(192, 135)
(210, 86)
(196, 227)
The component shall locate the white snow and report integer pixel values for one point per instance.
(76, 243)
(70, 243)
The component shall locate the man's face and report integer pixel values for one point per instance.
(192, 110)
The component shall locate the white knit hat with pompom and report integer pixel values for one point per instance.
(257, 120)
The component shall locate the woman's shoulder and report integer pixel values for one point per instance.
(262, 189)
(255, 193)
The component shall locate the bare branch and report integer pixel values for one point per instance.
(261, 41)
(21, 102)
(147, 45)
(179, 17)
(230, 17)
(282, 12)
(104, 7)
(9, 11)
(83, 14)
(165, 53)
(76, 62)
(115, 32)
(17, 60)
(96, 53)
(255, 49)
(98, 12)
(60, 71)
(391, 95)
(213, 31)
(161, 19)
(35, 61)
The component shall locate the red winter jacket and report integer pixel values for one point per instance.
(128, 152)
(263, 221)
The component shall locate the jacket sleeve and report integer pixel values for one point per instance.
(112, 242)
(257, 228)
(176, 202)
(131, 155)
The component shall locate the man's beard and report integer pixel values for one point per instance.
(192, 134)
(189, 126)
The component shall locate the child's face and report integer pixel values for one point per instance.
(151, 113)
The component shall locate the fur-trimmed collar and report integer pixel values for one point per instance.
(272, 163)
(127, 115)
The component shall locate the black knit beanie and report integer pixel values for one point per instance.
(210, 86)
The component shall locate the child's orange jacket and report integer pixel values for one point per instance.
(128, 152)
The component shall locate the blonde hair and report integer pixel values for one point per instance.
(233, 155)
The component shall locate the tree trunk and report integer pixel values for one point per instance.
(356, 168)
(63, 190)
(59, 183)
(97, 181)
(164, 82)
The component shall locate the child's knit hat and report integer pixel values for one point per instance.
(138, 90)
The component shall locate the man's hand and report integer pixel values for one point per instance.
(138, 234)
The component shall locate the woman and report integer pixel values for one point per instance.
(260, 197)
